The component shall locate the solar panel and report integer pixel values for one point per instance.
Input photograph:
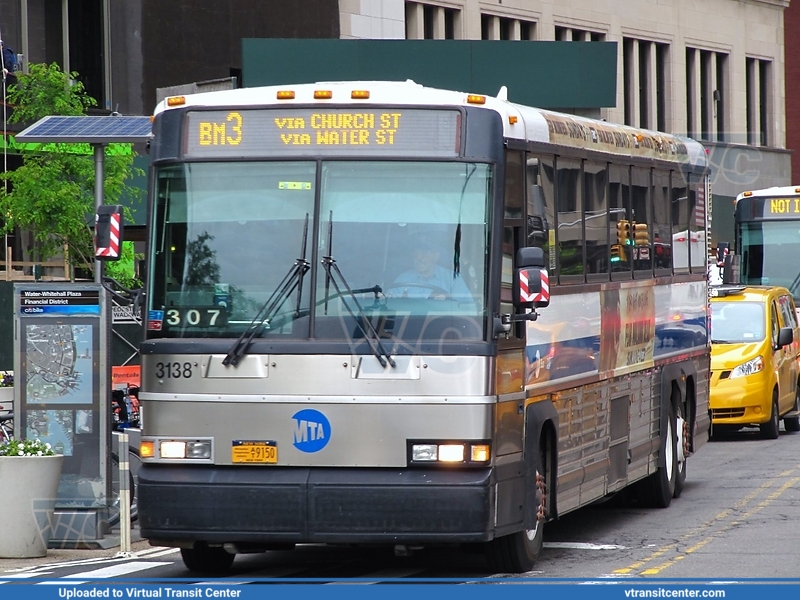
(88, 129)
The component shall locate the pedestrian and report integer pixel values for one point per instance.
(9, 61)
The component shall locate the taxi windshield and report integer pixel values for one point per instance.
(737, 322)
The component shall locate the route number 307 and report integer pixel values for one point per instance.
(196, 317)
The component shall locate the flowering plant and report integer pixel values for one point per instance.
(33, 447)
(6, 379)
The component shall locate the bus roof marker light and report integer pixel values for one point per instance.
(747, 194)
(359, 94)
(323, 94)
(512, 119)
(176, 100)
(476, 99)
(285, 95)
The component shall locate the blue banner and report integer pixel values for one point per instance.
(356, 589)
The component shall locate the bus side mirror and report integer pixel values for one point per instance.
(531, 280)
(108, 232)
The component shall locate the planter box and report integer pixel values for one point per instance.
(28, 509)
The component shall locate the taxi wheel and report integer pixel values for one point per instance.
(793, 423)
(202, 558)
(770, 429)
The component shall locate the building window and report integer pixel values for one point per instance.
(645, 67)
(759, 82)
(503, 28)
(431, 22)
(571, 34)
(707, 93)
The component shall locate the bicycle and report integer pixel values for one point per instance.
(6, 427)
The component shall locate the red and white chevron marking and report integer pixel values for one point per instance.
(544, 294)
(112, 250)
(524, 294)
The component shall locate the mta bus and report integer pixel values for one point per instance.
(767, 222)
(384, 314)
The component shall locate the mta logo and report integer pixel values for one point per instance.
(311, 430)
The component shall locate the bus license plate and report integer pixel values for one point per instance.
(260, 452)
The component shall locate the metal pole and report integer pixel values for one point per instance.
(99, 156)
(124, 496)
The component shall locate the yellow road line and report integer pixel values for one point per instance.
(703, 530)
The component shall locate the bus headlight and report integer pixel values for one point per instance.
(177, 449)
(465, 453)
(749, 368)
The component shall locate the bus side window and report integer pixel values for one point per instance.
(539, 200)
(570, 220)
(682, 237)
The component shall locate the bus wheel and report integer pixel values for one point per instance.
(771, 429)
(202, 558)
(659, 488)
(518, 552)
(682, 427)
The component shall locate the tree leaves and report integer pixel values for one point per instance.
(52, 194)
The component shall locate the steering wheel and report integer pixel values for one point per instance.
(436, 292)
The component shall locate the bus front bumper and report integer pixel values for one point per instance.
(180, 504)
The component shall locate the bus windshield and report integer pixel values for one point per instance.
(397, 243)
(768, 252)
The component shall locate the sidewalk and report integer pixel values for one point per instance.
(9, 565)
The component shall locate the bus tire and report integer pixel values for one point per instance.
(202, 558)
(517, 552)
(680, 475)
(658, 489)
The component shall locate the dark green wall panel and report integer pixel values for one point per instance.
(556, 75)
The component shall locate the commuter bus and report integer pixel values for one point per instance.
(767, 223)
(380, 313)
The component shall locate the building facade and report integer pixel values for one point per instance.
(710, 69)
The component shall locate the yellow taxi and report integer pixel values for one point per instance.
(755, 345)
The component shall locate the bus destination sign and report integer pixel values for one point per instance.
(334, 131)
(760, 207)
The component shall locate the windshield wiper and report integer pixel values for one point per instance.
(369, 332)
(292, 280)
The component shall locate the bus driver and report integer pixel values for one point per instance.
(428, 279)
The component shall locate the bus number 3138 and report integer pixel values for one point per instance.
(173, 370)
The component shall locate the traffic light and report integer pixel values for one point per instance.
(640, 235)
(617, 253)
(623, 232)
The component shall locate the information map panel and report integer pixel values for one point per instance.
(61, 385)
(317, 131)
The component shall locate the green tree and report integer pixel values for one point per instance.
(52, 193)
